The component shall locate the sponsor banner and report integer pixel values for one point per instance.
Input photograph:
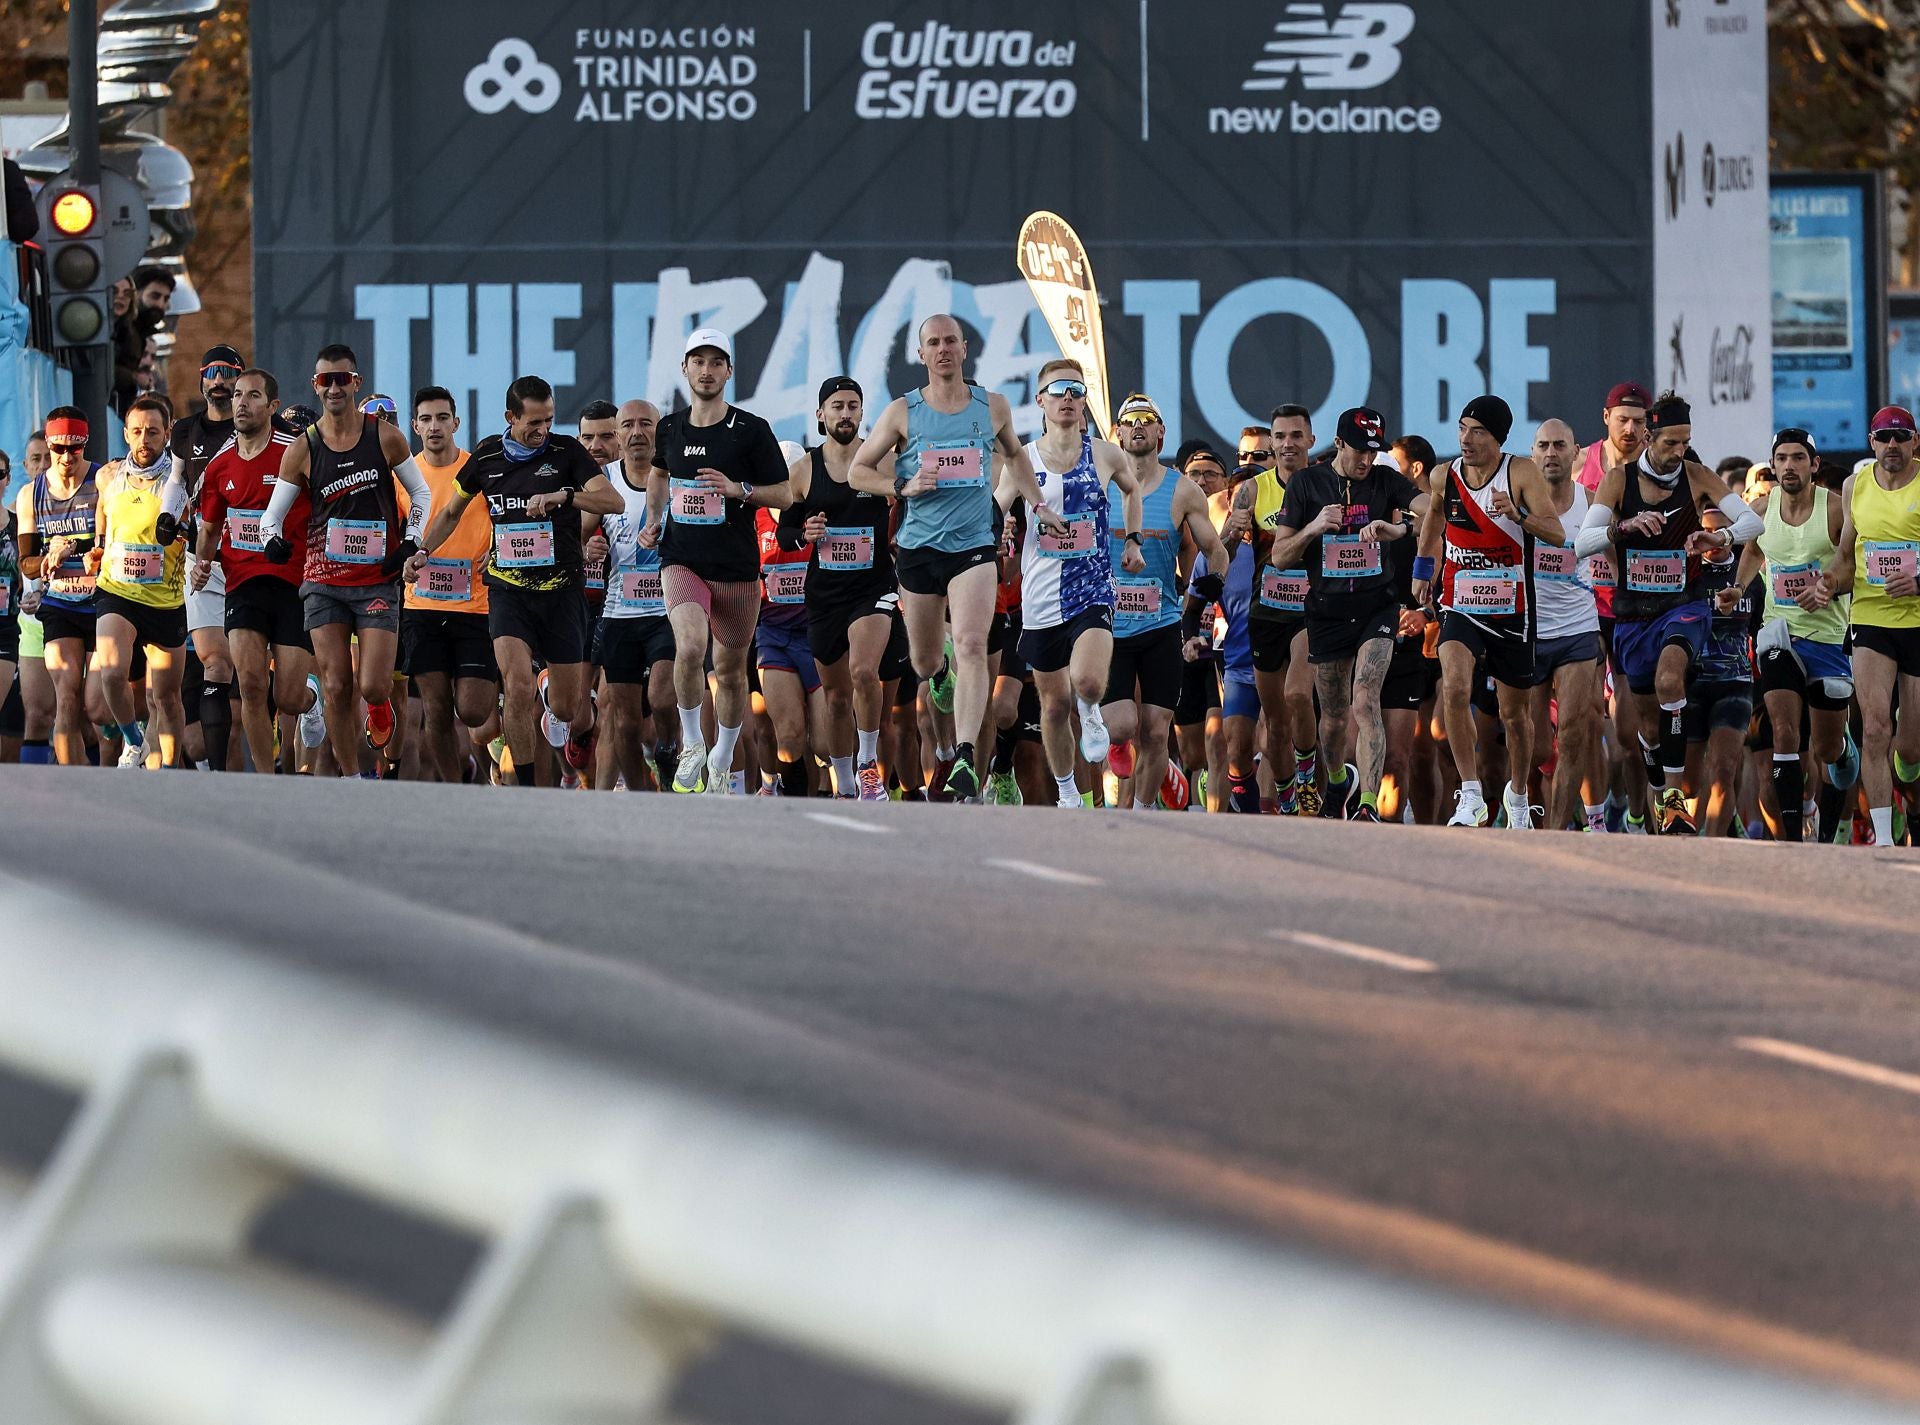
(1292, 202)
(1060, 276)
(1712, 339)
(1829, 312)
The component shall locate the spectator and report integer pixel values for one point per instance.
(153, 287)
(1733, 473)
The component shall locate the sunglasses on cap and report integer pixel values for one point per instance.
(220, 371)
(378, 406)
(1897, 437)
(1064, 387)
(323, 379)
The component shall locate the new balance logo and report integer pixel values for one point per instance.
(1358, 48)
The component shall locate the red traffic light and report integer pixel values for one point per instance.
(74, 213)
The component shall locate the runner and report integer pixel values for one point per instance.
(264, 619)
(1199, 726)
(357, 547)
(634, 641)
(783, 662)
(140, 591)
(1567, 658)
(1648, 515)
(939, 443)
(1240, 694)
(1276, 620)
(446, 643)
(1804, 670)
(1879, 547)
(1143, 684)
(1066, 584)
(1413, 785)
(1336, 519)
(537, 485)
(1720, 700)
(56, 532)
(1624, 441)
(721, 464)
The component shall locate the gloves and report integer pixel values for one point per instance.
(277, 550)
(396, 561)
(166, 529)
(1209, 587)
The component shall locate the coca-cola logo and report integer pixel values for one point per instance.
(1730, 374)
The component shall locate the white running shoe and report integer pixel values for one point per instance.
(1470, 809)
(1519, 811)
(133, 755)
(313, 722)
(719, 779)
(1095, 741)
(691, 774)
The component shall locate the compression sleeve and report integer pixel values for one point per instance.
(1596, 534)
(419, 496)
(285, 492)
(173, 495)
(1746, 524)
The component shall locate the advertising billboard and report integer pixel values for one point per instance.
(1829, 305)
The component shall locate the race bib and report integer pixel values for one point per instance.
(1556, 562)
(6, 599)
(356, 541)
(954, 465)
(847, 548)
(137, 563)
(1886, 558)
(447, 579)
(1136, 601)
(1076, 543)
(1491, 593)
(639, 592)
(786, 583)
(693, 503)
(1657, 571)
(1792, 580)
(1284, 590)
(1600, 572)
(1347, 556)
(243, 531)
(523, 545)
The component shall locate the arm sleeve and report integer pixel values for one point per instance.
(173, 495)
(1596, 533)
(415, 484)
(285, 492)
(1746, 524)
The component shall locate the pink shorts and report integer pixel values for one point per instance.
(732, 608)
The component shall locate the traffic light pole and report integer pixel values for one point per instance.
(93, 377)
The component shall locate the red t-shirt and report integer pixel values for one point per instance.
(236, 491)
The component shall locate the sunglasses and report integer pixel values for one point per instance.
(1895, 437)
(62, 448)
(324, 379)
(1064, 387)
(1256, 455)
(220, 371)
(1137, 419)
(378, 405)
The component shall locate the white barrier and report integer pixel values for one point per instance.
(629, 1221)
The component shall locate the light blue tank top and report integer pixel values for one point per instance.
(959, 515)
(1150, 600)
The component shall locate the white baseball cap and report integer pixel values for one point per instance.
(709, 336)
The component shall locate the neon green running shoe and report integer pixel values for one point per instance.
(1003, 790)
(940, 685)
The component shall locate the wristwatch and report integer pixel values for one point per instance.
(746, 490)
(1133, 537)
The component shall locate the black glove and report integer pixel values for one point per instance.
(166, 529)
(396, 561)
(1209, 587)
(277, 550)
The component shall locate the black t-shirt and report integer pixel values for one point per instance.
(1380, 494)
(535, 555)
(713, 535)
(197, 440)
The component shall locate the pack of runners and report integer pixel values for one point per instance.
(1613, 637)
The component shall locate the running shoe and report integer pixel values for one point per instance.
(1469, 809)
(768, 789)
(1175, 794)
(1120, 759)
(1519, 811)
(873, 786)
(579, 755)
(962, 782)
(691, 775)
(1846, 771)
(133, 757)
(555, 731)
(940, 685)
(1003, 790)
(1286, 802)
(379, 724)
(1200, 790)
(313, 722)
(719, 778)
(937, 788)
(1631, 825)
(1071, 803)
(1675, 819)
(1095, 741)
(1899, 817)
(1363, 812)
(664, 760)
(1306, 797)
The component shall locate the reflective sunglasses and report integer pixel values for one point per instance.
(61, 447)
(1896, 437)
(220, 371)
(378, 406)
(1138, 418)
(324, 379)
(1064, 387)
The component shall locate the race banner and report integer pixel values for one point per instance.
(1053, 260)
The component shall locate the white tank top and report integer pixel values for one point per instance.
(1563, 585)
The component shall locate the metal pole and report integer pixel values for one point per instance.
(93, 375)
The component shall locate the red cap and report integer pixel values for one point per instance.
(1891, 418)
(1629, 393)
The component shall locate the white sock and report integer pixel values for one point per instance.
(1070, 790)
(1139, 805)
(737, 783)
(944, 754)
(1470, 787)
(869, 744)
(1882, 825)
(1596, 815)
(843, 775)
(1516, 794)
(689, 726)
(724, 738)
(768, 780)
(1089, 712)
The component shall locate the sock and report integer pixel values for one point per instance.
(1882, 825)
(1304, 765)
(690, 727)
(963, 753)
(203, 765)
(36, 752)
(737, 783)
(1337, 778)
(523, 775)
(1069, 789)
(1139, 805)
(216, 721)
(1370, 800)
(793, 778)
(1470, 787)
(1244, 795)
(724, 740)
(1789, 785)
(869, 745)
(1905, 771)
(1596, 815)
(1673, 741)
(1650, 760)
(768, 781)
(1517, 794)
(843, 776)
(131, 735)
(1004, 742)
(1834, 802)
(943, 754)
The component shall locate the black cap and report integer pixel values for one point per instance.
(225, 353)
(1191, 448)
(1363, 428)
(833, 385)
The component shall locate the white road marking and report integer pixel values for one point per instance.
(847, 823)
(1042, 873)
(1877, 1074)
(1412, 965)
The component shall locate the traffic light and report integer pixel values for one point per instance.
(76, 263)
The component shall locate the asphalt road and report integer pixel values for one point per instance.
(1672, 1087)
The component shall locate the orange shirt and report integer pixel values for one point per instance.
(451, 583)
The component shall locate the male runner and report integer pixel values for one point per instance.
(1413, 783)
(1336, 520)
(1276, 617)
(1143, 683)
(140, 591)
(446, 643)
(264, 620)
(1199, 722)
(1648, 515)
(1625, 424)
(634, 641)
(1879, 549)
(713, 466)
(357, 547)
(1066, 584)
(1566, 660)
(941, 441)
(56, 529)
(537, 485)
(1720, 700)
